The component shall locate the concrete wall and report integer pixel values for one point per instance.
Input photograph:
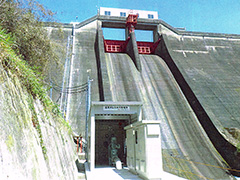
(204, 89)
(163, 100)
(83, 60)
(156, 85)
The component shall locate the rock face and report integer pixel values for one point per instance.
(34, 143)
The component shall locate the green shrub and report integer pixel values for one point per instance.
(15, 65)
(24, 20)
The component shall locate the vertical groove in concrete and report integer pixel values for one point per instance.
(99, 58)
(227, 150)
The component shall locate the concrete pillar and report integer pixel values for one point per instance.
(126, 33)
(103, 79)
(99, 24)
(132, 51)
(156, 32)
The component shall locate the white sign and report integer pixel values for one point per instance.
(116, 108)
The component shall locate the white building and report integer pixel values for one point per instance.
(125, 12)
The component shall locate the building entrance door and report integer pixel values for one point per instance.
(104, 131)
(107, 120)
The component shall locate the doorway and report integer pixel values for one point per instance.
(104, 131)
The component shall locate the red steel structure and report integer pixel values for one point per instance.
(116, 46)
(147, 47)
(131, 22)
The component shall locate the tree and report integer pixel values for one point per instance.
(24, 20)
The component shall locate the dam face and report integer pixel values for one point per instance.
(190, 84)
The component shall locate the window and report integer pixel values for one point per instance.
(123, 14)
(107, 13)
(150, 16)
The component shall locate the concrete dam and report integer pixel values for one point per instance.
(190, 83)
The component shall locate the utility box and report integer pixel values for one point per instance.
(144, 154)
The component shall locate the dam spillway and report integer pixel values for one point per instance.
(190, 85)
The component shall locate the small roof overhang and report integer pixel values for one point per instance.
(106, 110)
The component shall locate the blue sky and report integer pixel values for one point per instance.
(218, 16)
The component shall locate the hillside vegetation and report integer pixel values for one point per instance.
(25, 47)
(35, 140)
(23, 19)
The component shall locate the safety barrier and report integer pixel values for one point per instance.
(116, 46)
